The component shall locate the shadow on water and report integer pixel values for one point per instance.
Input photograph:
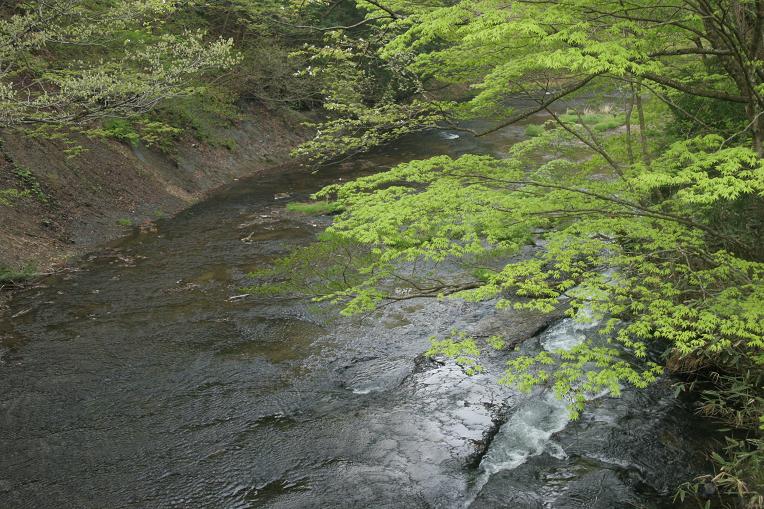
(146, 380)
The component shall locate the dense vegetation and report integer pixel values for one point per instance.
(646, 183)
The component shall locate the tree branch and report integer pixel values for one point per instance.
(376, 4)
(689, 89)
(542, 104)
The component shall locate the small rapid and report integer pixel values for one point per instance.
(536, 417)
(529, 430)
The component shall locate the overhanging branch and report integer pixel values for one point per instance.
(692, 90)
(542, 105)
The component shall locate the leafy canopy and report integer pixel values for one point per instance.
(652, 220)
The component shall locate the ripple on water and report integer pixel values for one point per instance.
(277, 340)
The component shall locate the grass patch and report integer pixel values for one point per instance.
(8, 275)
(599, 122)
(314, 208)
(9, 195)
(125, 221)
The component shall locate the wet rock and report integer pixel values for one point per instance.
(374, 374)
(622, 452)
(644, 432)
(516, 326)
(580, 486)
(424, 362)
(498, 411)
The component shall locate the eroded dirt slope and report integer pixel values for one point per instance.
(77, 203)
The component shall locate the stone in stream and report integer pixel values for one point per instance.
(623, 452)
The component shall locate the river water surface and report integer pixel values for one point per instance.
(145, 380)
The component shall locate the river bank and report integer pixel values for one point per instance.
(75, 204)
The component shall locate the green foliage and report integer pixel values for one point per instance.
(120, 129)
(129, 66)
(579, 373)
(125, 221)
(153, 133)
(496, 342)
(370, 100)
(459, 347)
(676, 213)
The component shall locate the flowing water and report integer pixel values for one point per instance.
(147, 380)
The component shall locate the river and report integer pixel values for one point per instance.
(145, 379)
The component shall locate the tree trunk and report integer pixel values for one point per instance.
(629, 110)
(642, 124)
(757, 129)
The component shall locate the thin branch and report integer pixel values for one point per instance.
(543, 105)
(750, 124)
(689, 89)
(391, 12)
(592, 144)
(690, 51)
(331, 28)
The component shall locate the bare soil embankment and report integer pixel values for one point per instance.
(77, 203)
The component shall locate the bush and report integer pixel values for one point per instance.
(150, 132)
(120, 129)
